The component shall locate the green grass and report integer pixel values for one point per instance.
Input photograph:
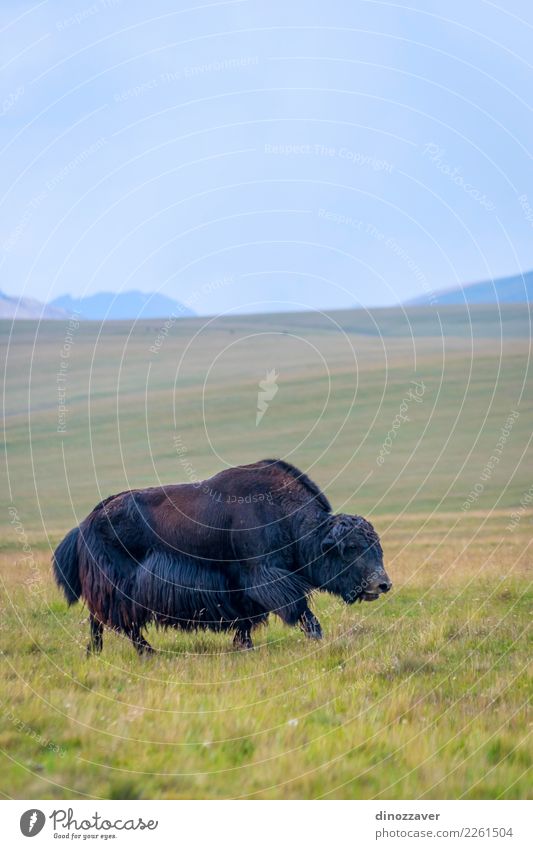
(422, 694)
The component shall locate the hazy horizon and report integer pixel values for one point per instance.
(241, 309)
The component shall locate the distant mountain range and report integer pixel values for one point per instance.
(104, 305)
(139, 305)
(113, 305)
(504, 290)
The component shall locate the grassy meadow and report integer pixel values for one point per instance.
(421, 421)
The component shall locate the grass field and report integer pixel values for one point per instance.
(420, 421)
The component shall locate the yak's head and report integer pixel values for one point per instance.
(352, 559)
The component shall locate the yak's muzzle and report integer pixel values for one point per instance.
(376, 588)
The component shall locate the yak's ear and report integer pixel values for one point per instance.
(333, 538)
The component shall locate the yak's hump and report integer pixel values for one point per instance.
(302, 479)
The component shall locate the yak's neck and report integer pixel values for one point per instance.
(309, 550)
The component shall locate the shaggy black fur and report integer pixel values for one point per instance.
(219, 554)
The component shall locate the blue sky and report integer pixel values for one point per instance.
(255, 156)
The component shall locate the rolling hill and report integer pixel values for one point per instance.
(506, 290)
(13, 307)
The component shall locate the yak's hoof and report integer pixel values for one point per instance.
(312, 630)
(145, 650)
(141, 646)
(243, 643)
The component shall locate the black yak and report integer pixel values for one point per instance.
(219, 554)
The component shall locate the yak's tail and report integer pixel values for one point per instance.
(66, 567)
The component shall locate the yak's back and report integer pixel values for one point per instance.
(302, 480)
(282, 481)
(277, 477)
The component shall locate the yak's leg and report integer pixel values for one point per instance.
(142, 646)
(243, 639)
(310, 625)
(298, 613)
(94, 646)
